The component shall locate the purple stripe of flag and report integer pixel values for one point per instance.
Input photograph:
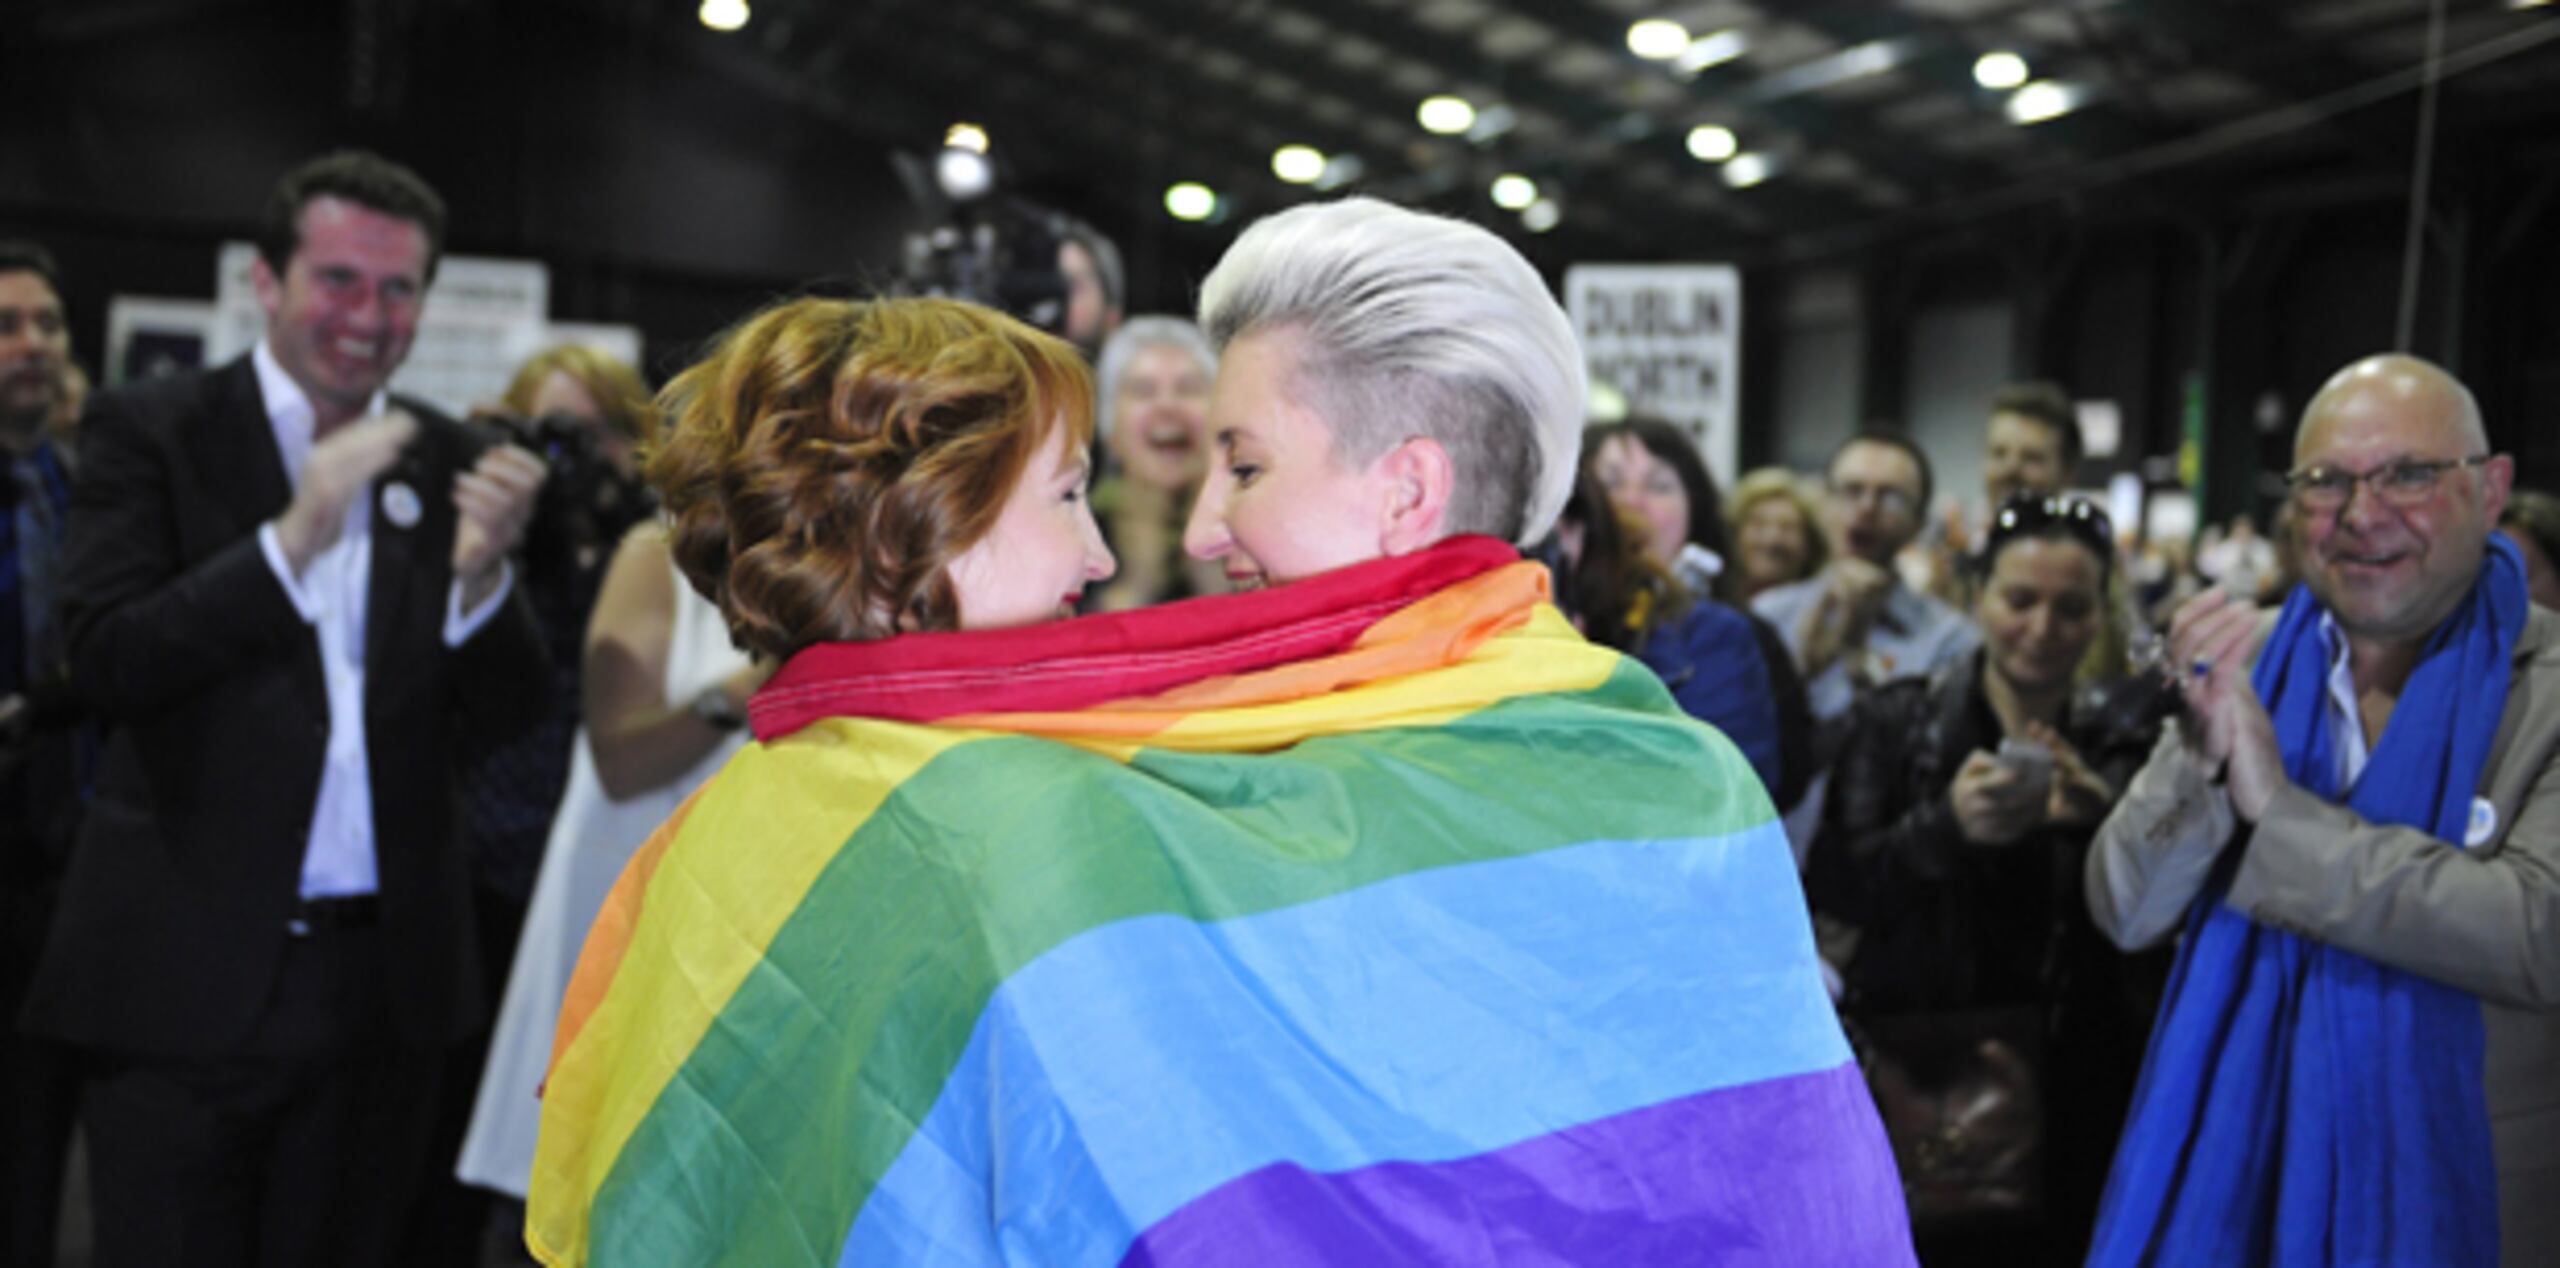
(1789, 1171)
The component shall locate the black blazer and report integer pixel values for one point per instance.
(210, 684)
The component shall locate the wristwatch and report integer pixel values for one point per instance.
(712, 705)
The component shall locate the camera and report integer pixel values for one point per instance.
(984, 244)
(586, 503)
(1000, 253)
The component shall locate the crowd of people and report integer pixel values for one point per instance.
(1268, 785)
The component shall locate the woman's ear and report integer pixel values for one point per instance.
(1417, 480)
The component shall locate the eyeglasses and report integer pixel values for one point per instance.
(2406, 483)
(2027, 515)
(1887, 498)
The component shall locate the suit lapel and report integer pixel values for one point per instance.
(393, 585)
(231, 445)
(235, 449)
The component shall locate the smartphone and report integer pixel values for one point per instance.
(2031, 760)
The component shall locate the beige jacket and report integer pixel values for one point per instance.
(2484, 920)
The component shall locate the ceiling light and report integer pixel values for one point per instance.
(1297, 164)
(964, 175)
(724, 15)
(1712, 50)
(1445, 115)
(2526, 4)
(1513, 191)
(966, 136)
(1830, 70)
(1873, 57)
(2000, 71)
(1713, 143)
(1491, 122)
(1340, 170)
(2044, 99)
(1657, 39)
(1190, 200)
(1746, 170)
(1540, 216)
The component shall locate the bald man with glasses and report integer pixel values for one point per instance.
(2354, 833)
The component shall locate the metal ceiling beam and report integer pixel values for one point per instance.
(2245, 43)
(1944, 61)
(1239, 34)
(1822, 124)
(1215, 138)
(904, 77)
(1595, 121)
(68, 23)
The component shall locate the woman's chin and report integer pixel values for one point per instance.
(2040, 676)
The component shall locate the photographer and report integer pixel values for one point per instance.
(1036, 263)
(587, 414)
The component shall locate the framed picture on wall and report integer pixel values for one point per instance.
(151, 338)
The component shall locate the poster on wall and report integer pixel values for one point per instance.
(1667, 339)
(483, 317)
(152, 337)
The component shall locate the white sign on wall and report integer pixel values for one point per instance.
(150, 337)
(483, 317)
(1668, 339)
(2101, 427)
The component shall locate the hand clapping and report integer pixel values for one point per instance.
(2211, 638)
(342, 465)
(1853, 595)
(495, 499)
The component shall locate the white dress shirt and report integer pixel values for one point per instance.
(338, 860)
(2343, 716)
(1911, 637)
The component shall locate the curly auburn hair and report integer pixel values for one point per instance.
(830, 459)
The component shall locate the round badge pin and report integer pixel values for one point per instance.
(2483, 825)
(400, 505)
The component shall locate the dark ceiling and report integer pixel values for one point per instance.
(1867, 114)
(2257, 155)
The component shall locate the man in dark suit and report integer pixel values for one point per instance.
(289, 598)
(41, 743)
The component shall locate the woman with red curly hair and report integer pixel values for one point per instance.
(849, 471)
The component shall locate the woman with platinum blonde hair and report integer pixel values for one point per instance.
(1422, 352)
(1152, 417)
(1400, 391)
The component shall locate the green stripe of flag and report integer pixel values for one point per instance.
(811, 1081)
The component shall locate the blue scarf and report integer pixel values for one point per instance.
(2301, 1104)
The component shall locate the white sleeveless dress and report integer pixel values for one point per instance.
(592, 837)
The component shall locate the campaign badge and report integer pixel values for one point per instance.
(400, 505)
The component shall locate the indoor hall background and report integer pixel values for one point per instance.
(2219, 220)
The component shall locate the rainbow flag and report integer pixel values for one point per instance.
(1376, 918)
